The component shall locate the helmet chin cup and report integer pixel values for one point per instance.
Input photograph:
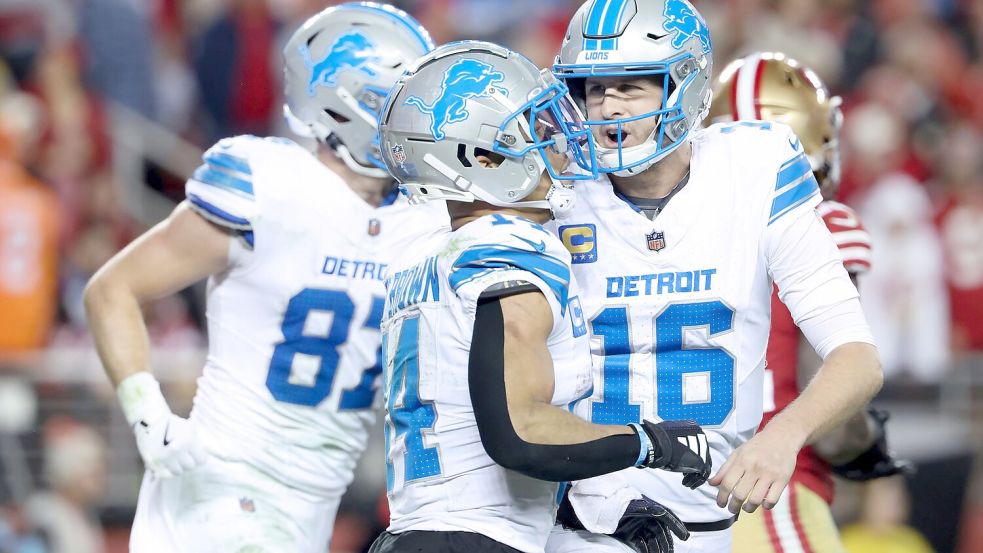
(357, 167)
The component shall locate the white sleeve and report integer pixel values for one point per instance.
(806, 265)
(221, 189)
(517, 256)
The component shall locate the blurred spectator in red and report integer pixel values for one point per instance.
(75, 468)
(904, 294)
(237, 71)
(960, 223)
(29, 218)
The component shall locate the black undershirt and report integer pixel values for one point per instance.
(486, 382)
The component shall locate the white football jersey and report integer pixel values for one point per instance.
(293, 322)
(678, 308)
(439, 476)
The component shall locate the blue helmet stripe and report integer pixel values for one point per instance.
(612, 19)
(794, 197)
(412, 25)
(603, 19)
(593, 25)
(478, 261)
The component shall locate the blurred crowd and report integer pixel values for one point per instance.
(910, 73)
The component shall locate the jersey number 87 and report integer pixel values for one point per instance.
(324, 348)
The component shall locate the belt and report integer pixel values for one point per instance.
(711, 526)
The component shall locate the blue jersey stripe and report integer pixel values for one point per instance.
(217, 212)
(793, 198)
(792, 171)
(228, 161)
(214, 176)
(478, 261)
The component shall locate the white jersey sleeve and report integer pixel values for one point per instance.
(804, 261)
(221, 189)
(526, 253)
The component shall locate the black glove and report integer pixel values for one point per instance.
(679, 446)
(878, 461)
(647, 527)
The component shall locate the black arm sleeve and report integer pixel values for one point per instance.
(486, 380)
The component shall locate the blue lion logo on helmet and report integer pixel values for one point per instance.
(350, 51)
(683, 20)
(466, 79)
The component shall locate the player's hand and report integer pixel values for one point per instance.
(647, 527)
(169, 445)
(878, 461)
(757, 472)
(679, 446)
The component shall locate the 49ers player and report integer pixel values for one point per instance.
(773, 87)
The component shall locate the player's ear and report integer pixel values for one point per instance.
(486, 159)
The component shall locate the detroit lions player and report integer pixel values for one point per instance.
(485, 343)
(296, 248)
(677, 250)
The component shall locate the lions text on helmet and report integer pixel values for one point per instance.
(655, 45)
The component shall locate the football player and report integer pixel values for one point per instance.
(770, 86)
(296, 248)
(485, 341)
(677, 248)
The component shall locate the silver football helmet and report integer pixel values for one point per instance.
(471, 98)
(663, 39)
(338, 68)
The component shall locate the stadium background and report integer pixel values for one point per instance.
(106, 106)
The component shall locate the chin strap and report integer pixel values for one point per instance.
(355, 166)
(559, 200)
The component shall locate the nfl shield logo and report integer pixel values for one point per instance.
(399, 156)
(374, 227)
(247, 505)
(657, 241)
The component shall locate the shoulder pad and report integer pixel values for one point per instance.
(221, 189)
(503, 243)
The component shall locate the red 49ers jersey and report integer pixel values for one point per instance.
(781, 382)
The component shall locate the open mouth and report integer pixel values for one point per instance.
(613, 137)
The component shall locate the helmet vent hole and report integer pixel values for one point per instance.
(310, 40)
(339, 118)
(462, 155)
(654, 36)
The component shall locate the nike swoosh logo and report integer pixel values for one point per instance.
(540, 247)
(166, 428)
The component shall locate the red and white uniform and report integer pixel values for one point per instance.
(801, 522)
(783, 342)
